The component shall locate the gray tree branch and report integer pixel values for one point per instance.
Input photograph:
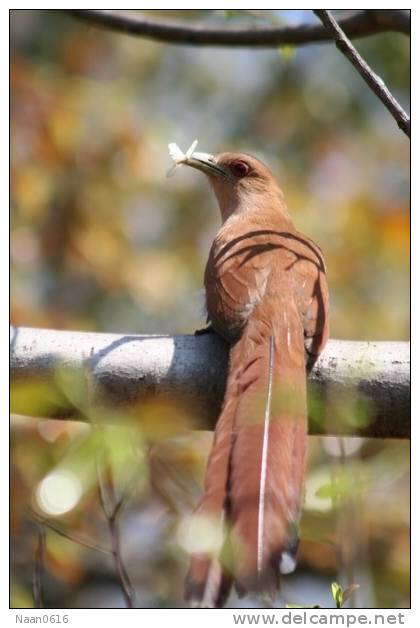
(356, 388)
(361, 24)
(375, 83)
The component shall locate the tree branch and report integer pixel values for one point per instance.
(375, 83)
(109, 505)
(361, 24)
(39, 567)
(349, 380)
(66, 534)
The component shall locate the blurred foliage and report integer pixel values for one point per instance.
(101, 240)
(339, 595)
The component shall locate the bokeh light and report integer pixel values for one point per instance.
(58, 492)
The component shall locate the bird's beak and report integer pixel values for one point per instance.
(207, 164)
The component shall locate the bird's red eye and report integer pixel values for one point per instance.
(240, 168)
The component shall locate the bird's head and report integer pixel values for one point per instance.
(240, 182)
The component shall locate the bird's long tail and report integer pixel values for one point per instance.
(208, 581)
(254, 477)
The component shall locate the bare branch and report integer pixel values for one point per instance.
(397, 20)
(376, 84)
(107, 495)
(127, 491)
(128, 369)
(70, 536)
(111, 508)
(39, 569)
(361, 24)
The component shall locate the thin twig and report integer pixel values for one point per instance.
(70, 536)
(111, 510)
(376, 84)
(362, 24)
(127, 491)
(39, 569)
(103, 494)
(107, 498)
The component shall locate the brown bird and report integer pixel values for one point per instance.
(266, 294)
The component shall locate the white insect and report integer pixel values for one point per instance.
(181, 158)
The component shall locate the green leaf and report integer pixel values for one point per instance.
(337, 593)
(347, 482)
(73, 385)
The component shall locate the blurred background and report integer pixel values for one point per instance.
(101, 240)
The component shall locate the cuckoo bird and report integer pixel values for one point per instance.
(267, 296)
